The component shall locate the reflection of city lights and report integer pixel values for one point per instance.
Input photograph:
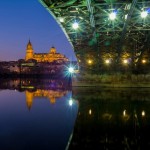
(70, 102)
(90, 111)
(143, 113)
(124, 113)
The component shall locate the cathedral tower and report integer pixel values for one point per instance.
(53, 50)
(29, 51)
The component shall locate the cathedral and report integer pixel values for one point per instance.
(44, 57)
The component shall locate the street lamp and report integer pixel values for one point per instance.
(71, 70)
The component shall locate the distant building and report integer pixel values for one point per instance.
(44, 57)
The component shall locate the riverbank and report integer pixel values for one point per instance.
(112, 81)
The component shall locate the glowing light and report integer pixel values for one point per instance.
(124, 113)
(143, 113)
(143, 61)
(61, 19)
(90, 111)
(107, 61)
(112, 16)
(89, 61)
(71, 69)
(75, 25)
(144, 14)
(125, 61)
(70, 102)
(125, 17)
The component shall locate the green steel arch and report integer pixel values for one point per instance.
(101, 40)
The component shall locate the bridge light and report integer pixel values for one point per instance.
(144, 14)
(112, 16)
(61, 19)
(125, 17)
(75, 25)
(124, 113)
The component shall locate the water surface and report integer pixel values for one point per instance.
(35, 116)
(48, 114)
(112, 119)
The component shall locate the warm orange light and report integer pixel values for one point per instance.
(143, 61)
(125, 61)
(90, 111)
(143, 113)
(107, 61)
(89, 61)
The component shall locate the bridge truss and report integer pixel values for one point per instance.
(106, 34)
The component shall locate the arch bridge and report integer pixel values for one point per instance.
(107, 35)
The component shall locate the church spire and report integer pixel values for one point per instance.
(29, 45)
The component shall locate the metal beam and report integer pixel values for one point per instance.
(129, 15)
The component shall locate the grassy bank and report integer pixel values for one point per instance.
(114, 80)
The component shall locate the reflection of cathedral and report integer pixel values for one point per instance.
(44, 57)
(50, 94)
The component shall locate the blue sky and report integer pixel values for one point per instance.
(21, 20)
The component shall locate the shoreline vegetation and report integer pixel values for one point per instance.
(117, 80)
(113, 81)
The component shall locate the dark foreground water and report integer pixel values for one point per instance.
(112, 119)
(49, 115)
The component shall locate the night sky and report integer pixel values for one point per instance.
(21, 20)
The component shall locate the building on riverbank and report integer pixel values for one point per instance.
(52, 56)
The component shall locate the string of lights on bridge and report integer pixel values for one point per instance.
(112, 16)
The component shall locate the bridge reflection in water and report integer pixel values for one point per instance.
(112, 119)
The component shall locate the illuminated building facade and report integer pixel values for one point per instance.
(44, 57)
